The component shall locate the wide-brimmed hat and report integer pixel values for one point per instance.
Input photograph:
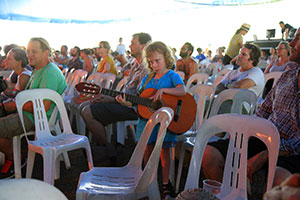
(245, 27)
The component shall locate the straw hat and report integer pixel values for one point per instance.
(245, 27)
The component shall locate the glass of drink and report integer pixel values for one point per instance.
(212, 186)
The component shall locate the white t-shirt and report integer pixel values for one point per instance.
(254, 74)
(121, 49)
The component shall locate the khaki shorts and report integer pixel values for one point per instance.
(11, 125)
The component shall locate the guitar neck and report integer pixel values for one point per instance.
(131, 98)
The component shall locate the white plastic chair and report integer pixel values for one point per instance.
(54, 126)
(214, 68)
(121, 125)
(130, 181)
(202, 93)
(219, 77)
(105, 81)
(269, 76)
(199, 78)
(273, 75)
(49, 146)
(74, 107)
(25, 189)
(75, 77)
(240, 128)
(238, 97)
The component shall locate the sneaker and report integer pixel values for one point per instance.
(168, 191)
(8, 170)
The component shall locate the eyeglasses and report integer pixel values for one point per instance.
(100, 47)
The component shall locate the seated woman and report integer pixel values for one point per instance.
(278, 65)
(16, 60)
(107, 64)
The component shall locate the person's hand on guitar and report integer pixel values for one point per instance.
(122, 100)
(158, 94)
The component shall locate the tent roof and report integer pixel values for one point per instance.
(103, 12)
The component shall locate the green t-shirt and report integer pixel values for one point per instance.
(50, 77)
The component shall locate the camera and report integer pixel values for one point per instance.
(3, 84)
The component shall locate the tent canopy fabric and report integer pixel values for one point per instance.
(103, 12)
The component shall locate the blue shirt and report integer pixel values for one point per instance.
(169, 80)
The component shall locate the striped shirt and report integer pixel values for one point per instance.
(281, 107)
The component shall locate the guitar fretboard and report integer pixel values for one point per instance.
(132, 98)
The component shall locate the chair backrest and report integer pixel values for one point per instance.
(270, 81)
(163, 116)
(121, 83)
(240, 128)
(272, 75)
(238, 97)
(214, 68)
(68, 74)
(199, 78)
(220, 75)
(202, 93)
(19, 189)
(107, 80)
(36, 96)
(76, 77)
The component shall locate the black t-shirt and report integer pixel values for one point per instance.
(287, 26)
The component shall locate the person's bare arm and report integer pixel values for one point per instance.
(243, 84)
(233, 60)
(286, 33)
(193, 70)
(106, 68)
(269, 67)
(11, 106)
(87, 62)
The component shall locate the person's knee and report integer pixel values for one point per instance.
(86, 112)
(281, 174)
(212, 158)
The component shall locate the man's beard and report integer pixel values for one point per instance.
(183, 55)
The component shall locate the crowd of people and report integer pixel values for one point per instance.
(152, 64)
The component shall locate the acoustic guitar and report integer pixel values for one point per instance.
(184, 107)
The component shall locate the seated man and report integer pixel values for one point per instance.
(281, 107)
(187, 64)
(105, 110)
(44, 75)
(247, 76)
(75, 61)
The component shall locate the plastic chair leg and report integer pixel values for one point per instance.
(30, 162)
(153, 190)
(172, 166)
(57, 167)
(17, 156)
(66, 160)
(121, 131)
(89, 156)
(49, 166)
(2, 158)
(180, 166)
(109, 132)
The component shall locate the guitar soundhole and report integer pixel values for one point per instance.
(156, 105)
